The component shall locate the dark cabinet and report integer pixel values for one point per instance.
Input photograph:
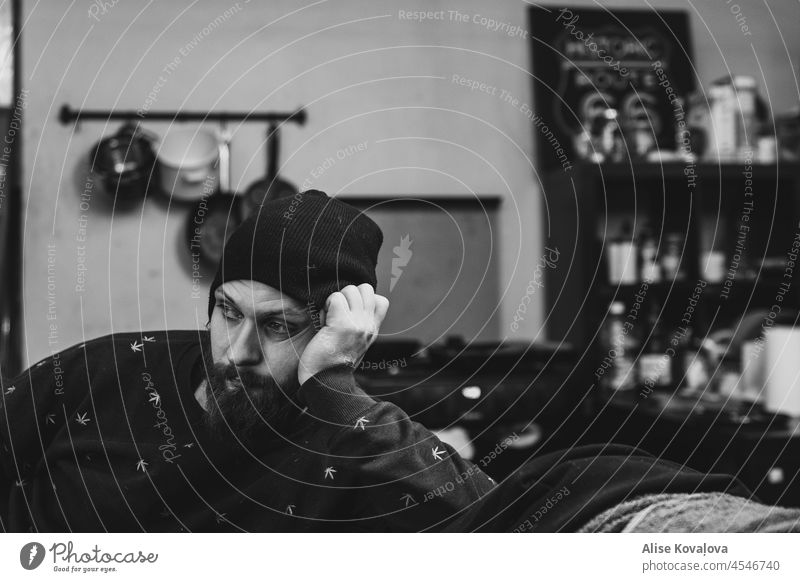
(737, 228)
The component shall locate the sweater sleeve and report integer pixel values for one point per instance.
(403, 478)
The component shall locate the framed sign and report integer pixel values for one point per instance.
(586, 61)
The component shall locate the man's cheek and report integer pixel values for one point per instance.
(218, 337)
(300, 341)
(283, 358)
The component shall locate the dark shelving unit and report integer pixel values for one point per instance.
(585, 208)
(587, 205)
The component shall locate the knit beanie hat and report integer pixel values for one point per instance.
(307, 246)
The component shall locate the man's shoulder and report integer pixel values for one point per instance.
(119, 346)
(171, 337)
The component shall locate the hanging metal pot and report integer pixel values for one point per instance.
(124, 162)
(271, 186)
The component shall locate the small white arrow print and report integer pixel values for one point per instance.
(10, 390)
(136, 346)
(437, 453)
(155, 397)
(50, 419)
(188, 445)
(329, 472)
(360, 423)
(20, 483)
(142, 465)
(221, 517)
(408, 499)
(290, 509)
(82, 418)
(152, 339)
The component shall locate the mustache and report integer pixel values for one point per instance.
(262, 401)
(246, 378)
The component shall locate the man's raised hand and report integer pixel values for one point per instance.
(350, 324)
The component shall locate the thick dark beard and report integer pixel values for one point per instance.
(252, 414)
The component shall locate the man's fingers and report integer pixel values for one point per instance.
(367, 297)
(358, 303)
(353, 296)
(381, 308)
(336, 304)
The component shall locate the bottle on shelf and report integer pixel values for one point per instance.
(655, 365)
(622, 257)
(672, 257)
(621, 346)
(650, 268)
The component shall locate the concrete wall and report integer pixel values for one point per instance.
(366, 74)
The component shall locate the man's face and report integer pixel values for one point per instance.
(257, 336)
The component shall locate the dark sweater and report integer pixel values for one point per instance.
(108, 436)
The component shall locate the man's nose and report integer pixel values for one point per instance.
(245, 348)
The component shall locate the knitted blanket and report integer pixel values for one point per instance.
(694, 512)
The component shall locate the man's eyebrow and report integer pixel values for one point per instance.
(225, 297)
(288, 311)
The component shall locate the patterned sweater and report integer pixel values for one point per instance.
(108, 436)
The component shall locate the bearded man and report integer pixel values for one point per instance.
(255, 424)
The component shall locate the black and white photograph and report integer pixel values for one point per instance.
(399, 267)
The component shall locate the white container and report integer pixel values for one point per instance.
(746, 121)
(767, 149)
(622, 263)
(724, 109)
(188, 163)
(753, 370)
(713, 266)
(623, 252)
(782, 370)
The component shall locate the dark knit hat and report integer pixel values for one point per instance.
(307, 246)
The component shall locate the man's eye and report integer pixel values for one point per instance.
(277, 327)
(228, 311)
